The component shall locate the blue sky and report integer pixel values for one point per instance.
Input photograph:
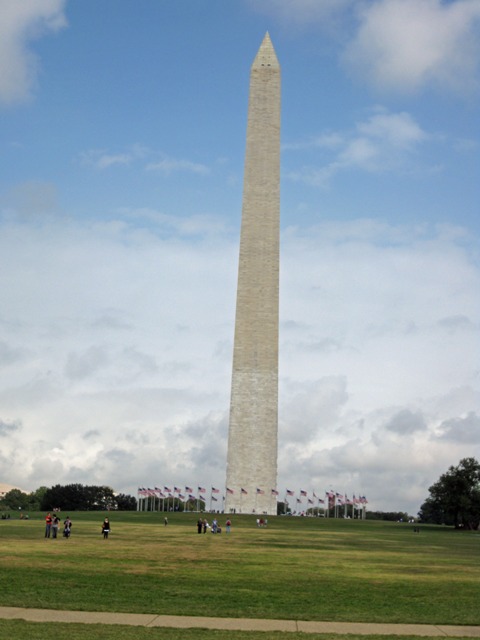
(122, 136)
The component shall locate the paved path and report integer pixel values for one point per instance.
(237, 624)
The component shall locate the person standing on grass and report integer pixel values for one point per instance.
(67, 527)
(55, 523)
(48, 525)
(228, 525)
(106, 528)
(199, 525)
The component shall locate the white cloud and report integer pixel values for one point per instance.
(406, 44)
(118, 340)
(400, 45)
(384, 142)
(150, 160)
(22, 22)
(169, 165)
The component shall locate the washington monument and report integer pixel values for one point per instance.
(252, 439)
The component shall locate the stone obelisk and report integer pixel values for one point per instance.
(252, 440)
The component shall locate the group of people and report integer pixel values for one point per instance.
(203, 526)
(52, 524)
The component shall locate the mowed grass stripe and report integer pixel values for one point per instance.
(296, 568)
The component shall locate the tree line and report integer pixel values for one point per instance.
(453, 500)
(73, 497)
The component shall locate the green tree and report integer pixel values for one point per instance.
(15, 499)
(77, 497)
(125, 502)
(455, 498)
(35, 498)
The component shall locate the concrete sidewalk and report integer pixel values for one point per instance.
(237, 624)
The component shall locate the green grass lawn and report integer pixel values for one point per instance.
(296, 568)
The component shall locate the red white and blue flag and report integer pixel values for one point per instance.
(260, 491)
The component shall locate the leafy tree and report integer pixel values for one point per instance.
(125, 502)
(455, 497)
(35, 498)
(15, 499)
(76, 497)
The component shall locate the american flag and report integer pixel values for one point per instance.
(310, 501)
(260, 491)
(244, 491)
(166, 489)
(229, 490)
(322, 501)
(176, 489)
(290, 493)
(188, 490)
(303, 493)
(298, 501)
(214, 499)
(191, 497)
(339, 496)
(274, 492)
(181, 496)
(201, 489)
(215, 490)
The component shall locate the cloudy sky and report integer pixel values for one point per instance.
(122, 136)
